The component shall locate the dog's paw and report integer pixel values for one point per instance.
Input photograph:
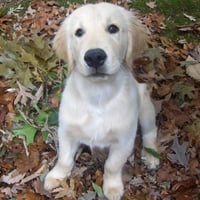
(54, 178)
(151, 161)
(113, 191)
(51, 182)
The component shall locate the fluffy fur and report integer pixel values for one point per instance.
(101, 104)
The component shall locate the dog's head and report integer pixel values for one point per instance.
(98, 39)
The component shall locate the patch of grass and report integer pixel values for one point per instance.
(173, 10)
(3, 11)
(66, 3)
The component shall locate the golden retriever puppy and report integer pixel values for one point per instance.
(102, 102)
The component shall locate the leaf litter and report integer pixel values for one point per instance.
(31, 81)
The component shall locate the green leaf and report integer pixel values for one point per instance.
(152, 152)
(25, 128)
(28, 131)
(45, 135)
(2, 151)
(183, 91)
(53, 118)
(6, 72)
(43, 175)
(194, 127)
(42, 116)
(153, 53)
(27, 59)
(98, 190)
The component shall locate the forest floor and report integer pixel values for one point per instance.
(31, 81)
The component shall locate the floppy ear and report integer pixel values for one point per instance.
(137, 41)
(61, 46)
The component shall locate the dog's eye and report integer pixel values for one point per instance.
(79, 32)
(113, 29)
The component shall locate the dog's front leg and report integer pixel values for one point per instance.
(113, 185)
(63, 167)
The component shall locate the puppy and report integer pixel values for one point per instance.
(102, 102)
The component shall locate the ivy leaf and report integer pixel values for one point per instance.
(42, 116)
(180, 155)
(25, 129)
(28, 131)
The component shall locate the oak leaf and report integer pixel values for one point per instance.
(180, 155)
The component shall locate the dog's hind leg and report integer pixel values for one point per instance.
(148, 127)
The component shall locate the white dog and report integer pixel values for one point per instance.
(102, 101)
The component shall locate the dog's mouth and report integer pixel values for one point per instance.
(99, 75)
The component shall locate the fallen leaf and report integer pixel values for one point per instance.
(153, 53)
(98, 190)
(180, 155)
(99, 177)
(25, 163)
(151, 4)
(183, 91)
(88, 196)
(153, 152)
(195, 53)
(191, 18)
(155, 22)
(12, 177)
(194, 126)
(23, 95)
(28, 131)
(78, 171)
(35, 174)
(29, 196)
(137, 181)
(194, 71)
(39, 188)
(65, 190)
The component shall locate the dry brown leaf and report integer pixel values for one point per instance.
(23, 95)
(13, 177)
(154, 22)
(35, 174)
(30, 196)
(65, 190)
(25, 163)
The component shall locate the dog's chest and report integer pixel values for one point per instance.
(96, 127)
(99, 116)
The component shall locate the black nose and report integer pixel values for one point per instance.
(95, 57)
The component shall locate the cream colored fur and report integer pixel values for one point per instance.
(104, 110)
